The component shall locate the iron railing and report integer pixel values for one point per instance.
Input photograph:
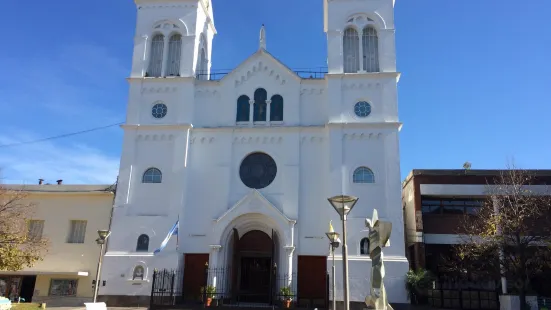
(308, 73)
(220, 285)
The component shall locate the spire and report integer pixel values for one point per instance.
(262, 41)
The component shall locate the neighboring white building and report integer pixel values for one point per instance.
(247, 160)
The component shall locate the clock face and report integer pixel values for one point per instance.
(258, 170)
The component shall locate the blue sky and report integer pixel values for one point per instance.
(475, 78)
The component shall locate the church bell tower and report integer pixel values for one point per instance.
(173, 38)
(360, 36)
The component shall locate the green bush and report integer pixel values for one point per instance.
(418, 282)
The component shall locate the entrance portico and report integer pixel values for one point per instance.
(252, 239)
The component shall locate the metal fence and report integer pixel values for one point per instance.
(220, 285)
(307, 73)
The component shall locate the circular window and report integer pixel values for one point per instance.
(362, 109)
(258, 170)
(159, 110)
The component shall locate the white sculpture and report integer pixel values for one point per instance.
(379, 237)
(5, 304)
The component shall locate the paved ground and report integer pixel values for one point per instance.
(83, 308)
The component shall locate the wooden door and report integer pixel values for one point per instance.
(311, 285)
(194, 275)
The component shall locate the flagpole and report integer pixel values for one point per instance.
(178, 234)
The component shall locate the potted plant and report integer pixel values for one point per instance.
(286, 294)
(417, 284)
(209, 292)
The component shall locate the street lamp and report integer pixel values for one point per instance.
(334, 241)
(103, 235)
(343, 204)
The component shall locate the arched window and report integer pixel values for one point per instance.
(243, 109)
(276, 108)
(364, 246)
(152, 175)
(351, 51)
(202, 66)
(138, 273)
(174, 55)
(260, 96)
(370, 46)
(143, 243)
(156, 56)
(363, 175)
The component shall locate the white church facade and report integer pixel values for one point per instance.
(246, 160)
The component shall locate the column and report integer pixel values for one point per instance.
(139, 57)
(251, 112)
(214, 271)
(289, 250)
(361, 41)
(165, 56)
(268, 112)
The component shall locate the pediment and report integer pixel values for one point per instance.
(261, 63)
(254, 202)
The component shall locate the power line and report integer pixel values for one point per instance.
(59, 136)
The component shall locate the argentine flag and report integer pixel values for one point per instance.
(172, 232)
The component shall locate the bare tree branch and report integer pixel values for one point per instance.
(17, 249)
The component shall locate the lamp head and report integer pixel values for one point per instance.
(343, 204)
(103, 235)
(333, 236)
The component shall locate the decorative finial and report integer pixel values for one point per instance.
(262, 37)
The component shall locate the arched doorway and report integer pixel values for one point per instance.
(253, 262)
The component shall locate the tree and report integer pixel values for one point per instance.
(511, 233)
(18, 249)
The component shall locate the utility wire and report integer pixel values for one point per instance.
(58, 136)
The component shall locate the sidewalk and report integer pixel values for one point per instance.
(83, 308)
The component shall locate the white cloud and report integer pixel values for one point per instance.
(74, 163)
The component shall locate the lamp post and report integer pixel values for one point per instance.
(334, 242)
(103, 235)
(343, 204)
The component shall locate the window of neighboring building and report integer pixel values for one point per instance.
(139, 273)
(63, 287)
(77, 232)
(431, 205)
(243, 109)
(363, 175)
(276, 109)
(364, 246)
(156, 56)
(152, 175)
(143, 243)
(260, 97)
(174, 55)
(36, 228)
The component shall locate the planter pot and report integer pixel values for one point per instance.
(287, 303)
(209, 301)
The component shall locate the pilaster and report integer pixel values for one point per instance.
(213, 263)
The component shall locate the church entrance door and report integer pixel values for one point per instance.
(255, 279)
(253, 265)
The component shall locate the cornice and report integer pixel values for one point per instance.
(385, 125)
(159, 79)
(257, 128)
(157, 127)
(365, 75)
